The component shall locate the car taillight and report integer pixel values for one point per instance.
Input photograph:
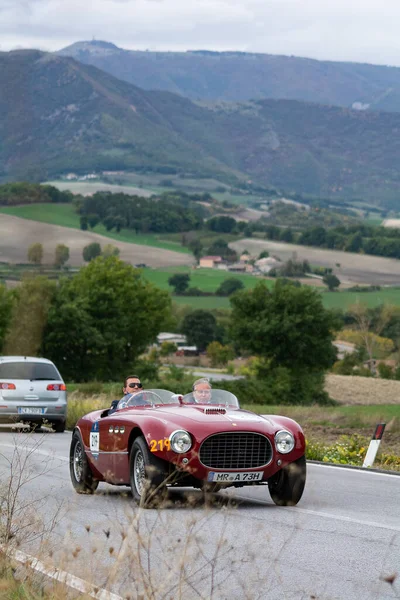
(57, 387)
(7, 386)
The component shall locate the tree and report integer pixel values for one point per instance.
(221, 224)
(6, 307)
(219, 355)
(200, 328)
(61, 255)
(168, 348)
(110, 250)
(102, 320)
(29, 316)
(229, 287)
(290, 330)
(331, 281)
(180, 282)
(263, 254)
(35, 253)
(92, 220)
(91, 251)
(367, 323)
(196, 247)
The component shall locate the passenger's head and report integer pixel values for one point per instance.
(132, 385)
(202, 390)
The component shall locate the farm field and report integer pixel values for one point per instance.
(342, 300)
(208, 280)
(17, 234)
(356, 268)
(65, 216)
(86, 188)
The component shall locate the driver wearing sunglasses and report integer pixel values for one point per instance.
(132, 385)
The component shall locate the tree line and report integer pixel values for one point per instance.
(12, 194)
(167, 213)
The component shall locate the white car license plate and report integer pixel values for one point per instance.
(233, 477)
(30, 410)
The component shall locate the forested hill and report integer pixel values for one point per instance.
(57, 115)
(238, 76)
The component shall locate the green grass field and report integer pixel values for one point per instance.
(342, 300)
(208, 280)
(64, 215)
(345, 299)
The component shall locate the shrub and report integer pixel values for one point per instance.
(385, 371)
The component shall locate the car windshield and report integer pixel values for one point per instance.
(34, 371)
(148, 398)
(212, 396)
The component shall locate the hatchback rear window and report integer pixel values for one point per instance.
(28, 370)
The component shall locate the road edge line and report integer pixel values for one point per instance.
(64, 577)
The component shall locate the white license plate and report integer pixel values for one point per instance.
(233, 477)
(30, 410)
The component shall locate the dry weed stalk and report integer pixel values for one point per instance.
(20, 519)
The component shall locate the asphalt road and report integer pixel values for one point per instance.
(340, 542)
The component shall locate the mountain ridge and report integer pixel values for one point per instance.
(240, 76)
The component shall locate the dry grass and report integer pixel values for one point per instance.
(353, 390)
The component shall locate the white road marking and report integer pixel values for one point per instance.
(62, 576)
(364, 471)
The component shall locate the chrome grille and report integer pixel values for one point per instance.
(236, 450)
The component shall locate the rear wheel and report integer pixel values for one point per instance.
(287, 485)
(79, 468)
(58, 426)
(147, 475)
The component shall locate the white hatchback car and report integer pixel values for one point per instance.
(31, 391)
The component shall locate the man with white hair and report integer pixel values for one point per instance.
(202, 391)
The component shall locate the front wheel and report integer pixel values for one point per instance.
(147, 475)
(287, 485)
(79, 468)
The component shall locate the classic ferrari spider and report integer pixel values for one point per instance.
(156, 439)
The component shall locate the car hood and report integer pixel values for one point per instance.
(188, 417)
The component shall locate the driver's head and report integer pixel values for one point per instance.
(202, 390)
(132, 385)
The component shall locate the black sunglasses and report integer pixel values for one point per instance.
(133, 385)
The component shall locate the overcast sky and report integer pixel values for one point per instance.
(350, 30)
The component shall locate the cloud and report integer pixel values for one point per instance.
(358, 30)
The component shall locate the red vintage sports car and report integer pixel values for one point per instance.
(155, 439)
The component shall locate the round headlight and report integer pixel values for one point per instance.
(180, 441)
(284, 442)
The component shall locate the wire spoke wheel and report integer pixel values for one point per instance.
(147, 475)
(139, 472)
(78, 463)
(79, 468)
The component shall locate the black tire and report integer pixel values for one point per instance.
(79, 468)
(58, 426)
(287, 485)
(147, 475)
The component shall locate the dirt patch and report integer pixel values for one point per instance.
(357, 268)
(348, 389)
(16, 235)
